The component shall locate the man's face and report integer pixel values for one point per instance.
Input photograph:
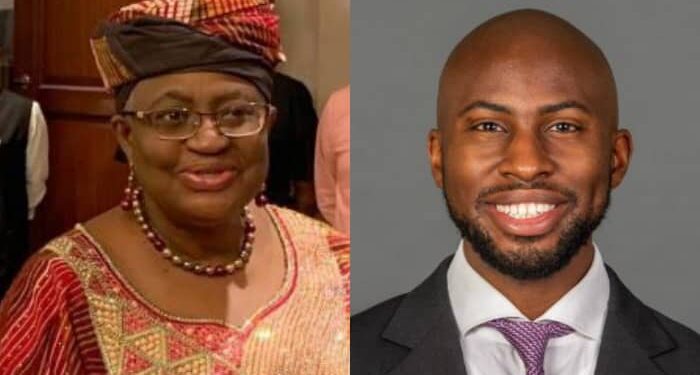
(526, 156)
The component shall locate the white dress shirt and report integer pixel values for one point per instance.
(487, 352)
(37, 159)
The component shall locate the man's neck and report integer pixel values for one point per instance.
(534, 297)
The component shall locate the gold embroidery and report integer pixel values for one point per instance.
(303, 330)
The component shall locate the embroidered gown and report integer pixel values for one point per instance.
(71, 312)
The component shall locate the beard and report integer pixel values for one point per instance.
(530, 262)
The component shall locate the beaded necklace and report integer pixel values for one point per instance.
(133, 202)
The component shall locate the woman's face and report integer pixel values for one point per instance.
(208, 178)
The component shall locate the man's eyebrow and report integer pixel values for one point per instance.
(551, 108)
(486, 105)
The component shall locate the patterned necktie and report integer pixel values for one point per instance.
(530, 339)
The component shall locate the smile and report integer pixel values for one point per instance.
(527, 218)
(525, 210)
(212, 180)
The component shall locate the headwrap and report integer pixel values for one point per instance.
(154, 37)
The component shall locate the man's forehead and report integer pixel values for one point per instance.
(524, 58)
(526, 54)
(513, 81)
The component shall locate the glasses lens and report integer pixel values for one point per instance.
(173, 123)
(242, 119)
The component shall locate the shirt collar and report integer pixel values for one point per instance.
(474, 301)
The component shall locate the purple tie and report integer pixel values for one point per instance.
(530, 339)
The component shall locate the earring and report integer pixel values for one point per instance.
(260, 199)
(129, 191)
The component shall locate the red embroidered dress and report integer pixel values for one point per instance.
(70, 312)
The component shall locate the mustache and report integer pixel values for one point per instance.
(539, 185)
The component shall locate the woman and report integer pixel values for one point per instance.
(190, 275)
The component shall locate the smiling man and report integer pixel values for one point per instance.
(526, 153)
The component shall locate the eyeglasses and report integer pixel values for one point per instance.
(235, 121)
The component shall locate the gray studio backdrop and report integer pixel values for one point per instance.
(400, 228)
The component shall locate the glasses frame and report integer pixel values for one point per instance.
(145, 116)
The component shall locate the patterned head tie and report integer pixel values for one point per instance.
(154, 37)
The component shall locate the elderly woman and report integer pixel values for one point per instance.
(192, 274)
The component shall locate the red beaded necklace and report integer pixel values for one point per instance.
(133, 202)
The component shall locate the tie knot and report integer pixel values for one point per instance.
(530, 339)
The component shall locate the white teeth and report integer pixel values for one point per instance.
(532, 207)
(524, 210)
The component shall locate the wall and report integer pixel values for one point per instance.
(316, 39)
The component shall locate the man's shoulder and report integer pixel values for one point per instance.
(680, 332)
(369, 349)
(374, 320)
(427, 301)
(687, 344)
(634, 327)
(15, 98)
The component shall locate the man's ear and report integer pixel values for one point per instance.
(122, 130)
(435, 155)
(621, 155)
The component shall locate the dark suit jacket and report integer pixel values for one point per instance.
(15, 113)
(416, 333)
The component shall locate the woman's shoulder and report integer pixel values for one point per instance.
(308, 233)
(45, 313)
(318, 243)
(300, 224)
(60, 260)
(48, 273)
(44, 265)
(75, 243)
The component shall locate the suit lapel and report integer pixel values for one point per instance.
(424, 324)
(632, 336)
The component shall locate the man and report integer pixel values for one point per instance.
(332, 164)
(526, 152)
(24, 169)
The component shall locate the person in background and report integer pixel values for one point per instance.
(332, 164)
(24, 169)
(194, 273)
(290, 181)
(7, 25)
